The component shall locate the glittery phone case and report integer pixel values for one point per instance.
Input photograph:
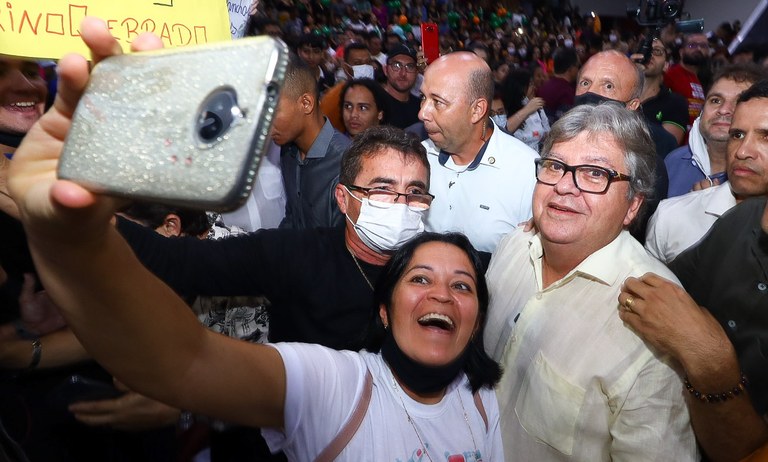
(185, 126)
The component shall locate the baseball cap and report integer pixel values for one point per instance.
(400, 49)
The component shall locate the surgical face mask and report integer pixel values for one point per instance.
(384, 227)
(362, 71)
(594, 99)
(523, 52)
(613, 38)
(568, 43)
(500, 120)
(511, 50)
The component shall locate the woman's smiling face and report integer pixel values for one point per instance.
(434, 309)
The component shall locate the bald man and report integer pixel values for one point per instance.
(612, 76)
(482, 178)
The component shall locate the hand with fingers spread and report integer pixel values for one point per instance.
(45, 202)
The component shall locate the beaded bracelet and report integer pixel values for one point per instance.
(718, 397)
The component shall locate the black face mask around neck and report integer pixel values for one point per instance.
(10, 139)
(415, 376)
(594, 99)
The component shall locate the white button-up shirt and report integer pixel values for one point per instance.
(578, 384)
(487, 202)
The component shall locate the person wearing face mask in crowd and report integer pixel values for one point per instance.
(611, 77)
(356, 65)
(526, 120)
(320, 281)
(423, 324)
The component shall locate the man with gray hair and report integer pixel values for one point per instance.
(578, 384)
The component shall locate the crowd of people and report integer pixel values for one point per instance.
(548, 243)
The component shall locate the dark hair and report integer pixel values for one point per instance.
(299, 78)
(372, 86)
(564, 59)
(354, 46)
(513, 89)
(313, 40)
(152, 215)
(375, 140)
(757, 90)
(741, 73)
(481, 370)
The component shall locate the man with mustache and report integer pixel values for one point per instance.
(702, 161)
(679, 222)
(578, 384)
(718, 334)
(682, 77)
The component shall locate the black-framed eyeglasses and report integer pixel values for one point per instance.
(398, 66)
(658, 51)
(386, 197)
(587, 178)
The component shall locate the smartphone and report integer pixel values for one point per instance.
(430, 41)
(184, 126)
(79, 388)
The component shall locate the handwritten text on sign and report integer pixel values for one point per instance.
(50, 28)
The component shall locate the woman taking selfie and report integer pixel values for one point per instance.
(430, 309)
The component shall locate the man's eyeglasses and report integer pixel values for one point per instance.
(658, 51)
(587, 178)
(385, 197)
(398, 66)
(701, 46)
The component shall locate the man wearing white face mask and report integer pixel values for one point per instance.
(356, 65)
(320, 281)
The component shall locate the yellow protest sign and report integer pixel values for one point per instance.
(50, 28)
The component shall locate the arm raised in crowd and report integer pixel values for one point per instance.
(128, 320)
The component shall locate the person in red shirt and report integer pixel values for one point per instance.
(681, 78)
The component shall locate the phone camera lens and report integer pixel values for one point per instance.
(218, 113)
(212, 126)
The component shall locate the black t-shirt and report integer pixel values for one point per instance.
(727, 273)
(317, 292)
(401, 114)
(667, 107)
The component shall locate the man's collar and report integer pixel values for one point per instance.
(443, 156)
(320, 146)
(600, 265)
